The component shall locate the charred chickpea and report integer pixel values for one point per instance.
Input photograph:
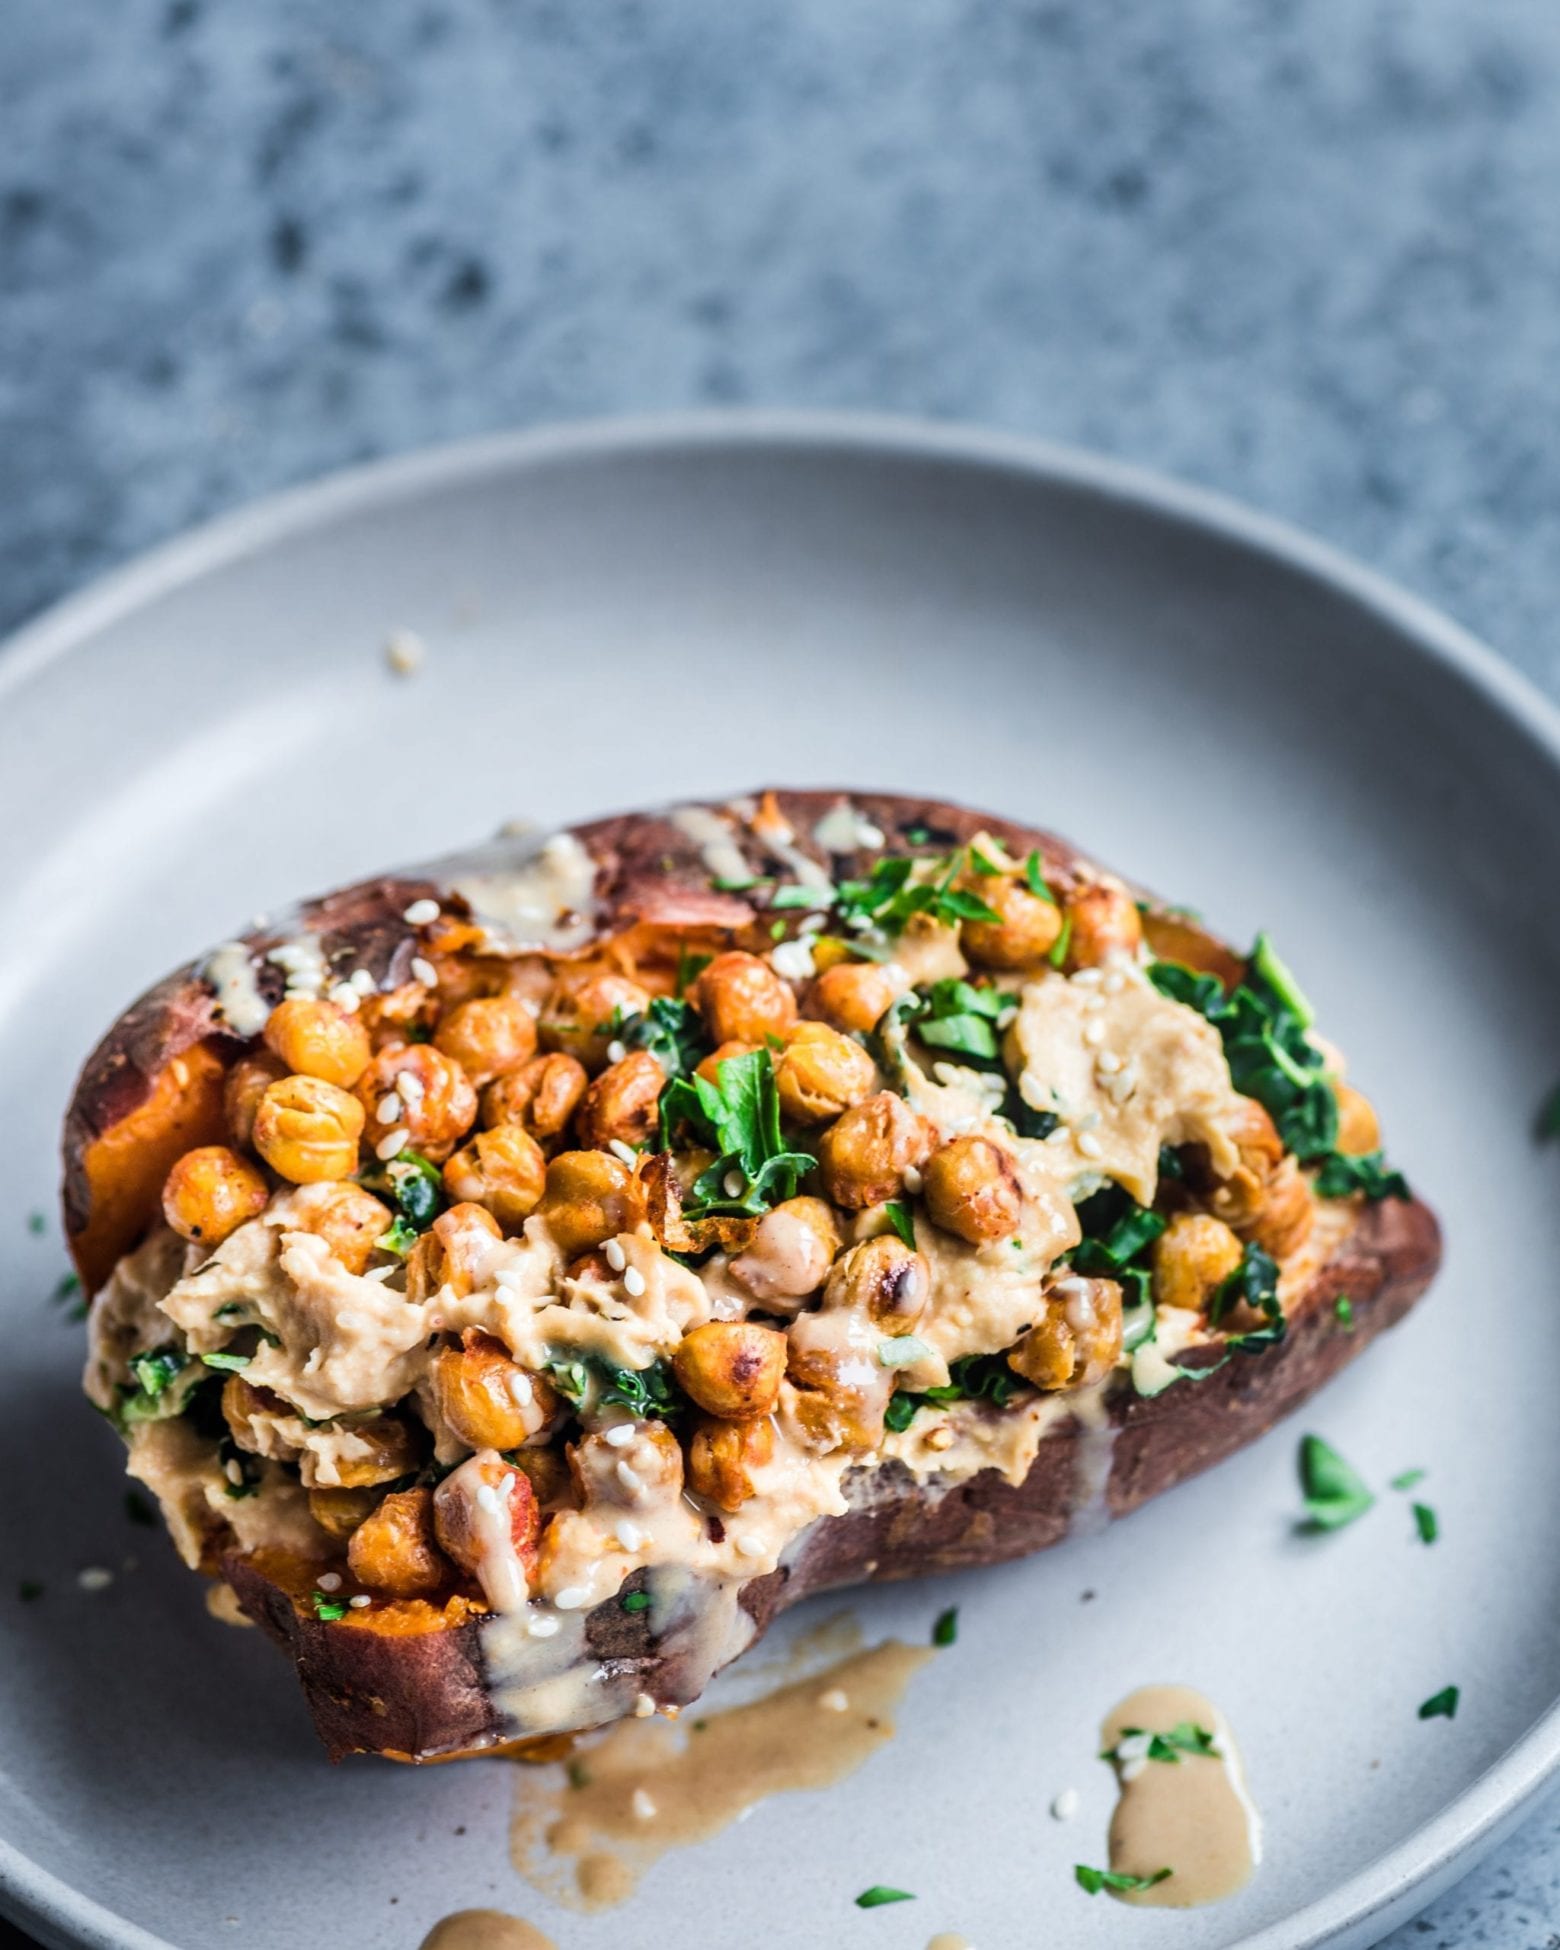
(210, 1193)
(1024, 934)
(1193, 1257)
(339, 1512)
(417, 1089)
(486, 1397)
(246, 1083)
(731, 1368)
(451, 1252)
(648, 1468)
(395, 1549)
(392, 1015)
(722, 1457)
(1358, 1130)
(709, 1069)
(854, 994)
(622, 1102)
(790, 1253)
(349, 1220)
(581, 1008)
(840, 1390)
(541, 1095)
(1077, 1340)
(385, 1448)
(821, 1073)
(314, 1038)
(1105, 922)
(886, 1280)
(742, 999)
(864, 1155)
(307, 1130)
(488, 1036)
(589, 1198)
(1266, 1197)
(972, 1190)
(463, 1514)
(502, 1169)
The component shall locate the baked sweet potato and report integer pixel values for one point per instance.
(619, 1237)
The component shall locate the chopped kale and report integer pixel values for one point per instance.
(1335, 1493)
(738, 1116)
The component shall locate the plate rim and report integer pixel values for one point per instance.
(1407, 1876)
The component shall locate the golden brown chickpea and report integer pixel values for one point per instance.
(840, 1390)
(542, 1095)
(854, 994)
(621, 1103)
(820, 1073)
(307, 1130)
(1193, 1256)
(722, 1457)
(487, 1398)
(1358, 1130)
(392, 1015)
(451, 1252)
(972, 1190)
(1105, 922)
(646, 1469)
(709, 1069)
(589, 1198)
(246, 1083)
(458, 1515)
(790, 1254)
(488, 1036)
(241, 1403)
(581, 1008)
(1077, 1340)
(386, 1447)
(417, 1089)
(886, 1280)
(339, 1512)
(395, 1550)
(742, 999)
(1284, 1223)
(865, 1154)
(210, 1192)
(314, 1038)
(731, 1368)
(502, 1169)
(1022, 937)
(349, 1220)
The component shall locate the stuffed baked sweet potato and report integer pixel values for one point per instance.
(520, 1278)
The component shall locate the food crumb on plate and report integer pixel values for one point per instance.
(405, 652)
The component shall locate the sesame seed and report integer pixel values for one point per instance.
(362, 981)
(940, 1437)
(1090, 1145)
(380, 1273)
(361, 1602)
(633, 1282)
(521, 1390)
(624, 1153)
(834, 1700)
(629, 1535)
(620, 1435)
(404, 652)
(1087, 978)
(420, 913)
(540, 1626)
(750, 1547)
(391, 1145)
(912, 1179)
(1065, 1806)
(410, 1086)
(388, 1108)
(644, 1706)
(424, 971)
(329, 1580)
(94, 1578)
(1094, 1033)
(793, 960)
(573, 1597)
(345, 997)
(643, 1806)
(629, 1478)
(617, 1049)
(732, 1184)
(1115, 982)
(617, 1259)
(1109, 1062)
(487, 1499)
(233, 1470)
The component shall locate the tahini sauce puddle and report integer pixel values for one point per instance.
(643, 1787)
(485, 1929)
(1192, 1816)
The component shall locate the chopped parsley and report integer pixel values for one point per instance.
(67, 1294)
(1335, 1493)
(1343, 1308)
(1035, 881)
(1426, 1523)
(1183, 1738)
(1062, 943)
(1092, 1881)
(415, 1186)
(1408, 1479)
(589, 1381)
(328, 1608)
(888, 898)
(229, 1363)
(898, 1215)
(636, 1601)
(739, 1118)
(962, 1018)
(670, 1029)
(35, 1223)
(1441, 1705)
(973, 1377)
(946, 1630)
(879, 1894)
(399, 1236)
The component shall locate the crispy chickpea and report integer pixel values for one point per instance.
(246, 1083)
(972, 1190)
(742, 999)
(621, 1103)
(488, 1037)
(589, 1198)
(1105, 922)
(886, 1280)
(1023, 935)
(709, 1069)
(542, 1095)
(313, 1038)
(722, 1457)
(339, 1512)
(731, 1368)
(820, 1073)
(502, 1169)
(1239, 1198)
(383, 1449)
(241, 1404)
(395, 1550)
(1193, 1256)
(210, 1192)
(841, 1389)
(418, 1089)
(646, 1469)
(488, 1399)
(1358, 1130)
(790, 1254)
(451, 1253)
(308, 1130)
(1077, 1340)
(349, 1220)
(854, 994)
(462, 1522)
(1281, 1226)
(865, 1154)
(581, 1006)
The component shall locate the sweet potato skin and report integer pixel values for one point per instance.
(409, 1682)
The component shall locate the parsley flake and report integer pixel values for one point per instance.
(1335, 1493)
(1092, 1881)
(1343, 1307)
(1441, 1705)
(326, 1608)
(1183, 1738)
(946, 1630)
(636, 1601)
(1426, 1523)
(879, 1894)
(898, 1215)
(739, 1117)
(1408, 1479)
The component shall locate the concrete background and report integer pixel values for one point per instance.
(1306, 251)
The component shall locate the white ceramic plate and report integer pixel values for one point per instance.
(623, 615)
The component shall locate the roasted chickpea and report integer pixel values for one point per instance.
(865, 1154)
(308, 1130)
(1077, 1340)
(589, 1198)
(418, 1089)
(840, 1388)
(854, 994)
(722, 1457)
(886, 1280)
(1283, 1223)
(246, 1083)
(1358, 1130)
(581, 1008)
(381, 1450)
(972, 1190)
(1105, 922)
(316, 1039)
(820, 1073)
(648, 1468)
(210, 1193)
(487, 1398)
(542, 1095)
(1239, 1198)
(790, 1254)
(621, 1103)
(463, 1521)
(1023, 935)
(241, 1405)
(391, 1015)
(451, 1253)
(395, 1549)
(502, 1169)
(339, 1512)
(731, 1368)
(1193, 1256)
(488, 1037)
(709, 1069)
(349, 1220)
(742, 999)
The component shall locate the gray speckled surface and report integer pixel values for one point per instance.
(1307, 251)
